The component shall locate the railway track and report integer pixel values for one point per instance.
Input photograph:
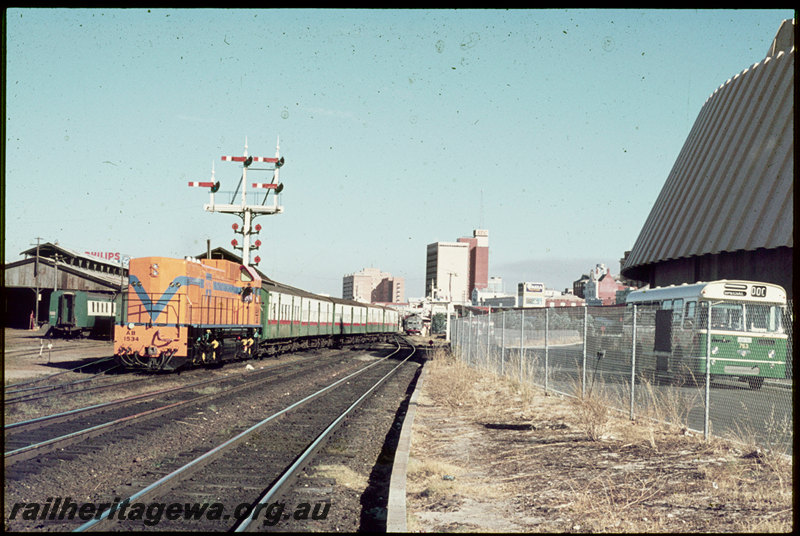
(28, 439)
(254, 456)
(190, 417)
(240, 479)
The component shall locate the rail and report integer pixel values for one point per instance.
(104, 520)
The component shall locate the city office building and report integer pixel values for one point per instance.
(530, 294)
(495, 284)
(447, 271)
(370, 285)
(478, 259)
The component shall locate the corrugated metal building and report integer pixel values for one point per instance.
(55, 267)
(726, 208)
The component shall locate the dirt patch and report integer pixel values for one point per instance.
(490, 455)
(28, 354)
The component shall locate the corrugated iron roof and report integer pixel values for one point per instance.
(731, 187)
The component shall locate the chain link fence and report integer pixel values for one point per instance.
(710, 375)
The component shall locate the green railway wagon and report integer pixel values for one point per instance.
(75, 313)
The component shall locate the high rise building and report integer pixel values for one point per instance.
(447, 271)
(373, 286)
(478, 259)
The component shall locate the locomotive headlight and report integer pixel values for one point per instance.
(771, 354)
(130, 325)
(715, 350)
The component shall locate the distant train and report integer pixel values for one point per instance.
(183, 312)
(412, 324)
(82, 313)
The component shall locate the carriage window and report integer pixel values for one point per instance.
(246, 277)
(666, 304)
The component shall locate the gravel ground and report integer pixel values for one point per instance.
(350, 475)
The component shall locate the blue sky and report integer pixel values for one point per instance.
(553, 129)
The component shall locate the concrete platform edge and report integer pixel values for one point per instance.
(396, 507)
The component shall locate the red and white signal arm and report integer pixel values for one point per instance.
(267, 159)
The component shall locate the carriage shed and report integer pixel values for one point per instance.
(57, 268)
(726, 209)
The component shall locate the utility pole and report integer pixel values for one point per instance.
(55, 273)
(449, 304)
(243, 210)
(36, 283)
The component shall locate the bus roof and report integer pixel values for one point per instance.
(725, 289)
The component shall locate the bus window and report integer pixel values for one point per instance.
(761, 317)
(689, 313)
(677, 311)
(726, 316)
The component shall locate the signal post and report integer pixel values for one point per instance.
(243, 210)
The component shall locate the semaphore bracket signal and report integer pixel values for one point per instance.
(243, 210)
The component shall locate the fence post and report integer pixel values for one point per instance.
(488, 336)
(708, 372)
(521, 340)
(469, 340)
(585, 334)
(503, 347)
(633, 360)
(461, 330)
(454, 346)
(546, 349)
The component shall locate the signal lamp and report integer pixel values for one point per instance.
(215, 188)
(234, 243)
(280, 162)
(279, 189)
(248, 161)
(257, 259)
(258, 227)
(258, 243)
(235, 226)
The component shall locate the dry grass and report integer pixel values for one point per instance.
(668, 405)
(592, 409)
(343, 475)
(583, 467)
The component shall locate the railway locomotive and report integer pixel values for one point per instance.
(184, 312)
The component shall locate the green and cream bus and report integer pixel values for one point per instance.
(748, 336)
